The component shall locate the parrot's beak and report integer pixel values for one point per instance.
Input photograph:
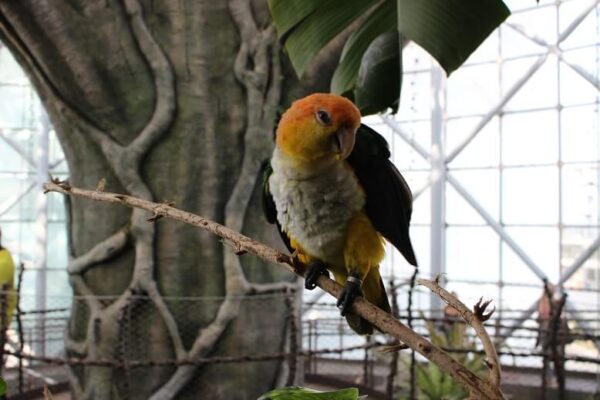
(343, 142)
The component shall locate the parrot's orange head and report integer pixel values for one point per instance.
(318, 127)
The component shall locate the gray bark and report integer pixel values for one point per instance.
(168, 101)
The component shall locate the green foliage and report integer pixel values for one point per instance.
(3, 387)
(308, 26)
(450, 30)
(381, 21)
(433, 384)
(300, 393)
(381, 59)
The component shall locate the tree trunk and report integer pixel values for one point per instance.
(171, 101)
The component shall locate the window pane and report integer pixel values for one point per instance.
(16, 106)
(574, 242)
(539, 22)
(530, 195)
(574, 87)
(580, 137)
(541, 245)
(586, 32)
(420, 238)
(530, 138)
(10, 70)
(482, 151)
(470, 294)
(519, 298)
(514, 270)
(515, 45)
(415, 97)
(421, 204)
(458, 211)
(472, 254)
(539, 91)
(483, 186)
(472, 90)
(580, 200)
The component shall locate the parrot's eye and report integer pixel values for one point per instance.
(323, 117)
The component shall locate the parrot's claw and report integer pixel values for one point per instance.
(352, 289)
(315, 270)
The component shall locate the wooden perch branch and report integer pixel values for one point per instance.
(475, 319)
(478, 388)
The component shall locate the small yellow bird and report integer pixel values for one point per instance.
(334, 194)
(7, 283)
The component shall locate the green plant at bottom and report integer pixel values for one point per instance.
(300, 393)
(432, 383)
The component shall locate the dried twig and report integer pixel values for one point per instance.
(383, 321)
(47, 393)
(475, 318)
(20, 325)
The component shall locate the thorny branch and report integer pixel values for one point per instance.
(385, 322)
(475, 318)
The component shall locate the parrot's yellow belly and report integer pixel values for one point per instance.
(322, 215)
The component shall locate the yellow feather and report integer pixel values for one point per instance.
(364, 245)
(7, 277)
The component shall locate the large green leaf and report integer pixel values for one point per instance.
(381, 20)
(450, 30)
(289, 13)
(378, 82)
(314, 26)
(300, 393)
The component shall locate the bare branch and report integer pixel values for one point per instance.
(103, 251)
(241, 13)
(74, 383)
(475, 320)
(230, 237)
(167, 318)
(164, 82)
(76, 346)
(82, 289)
(204, 343)
(382, 320)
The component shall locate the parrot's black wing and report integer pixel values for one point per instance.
(268, 204)
(388, 197)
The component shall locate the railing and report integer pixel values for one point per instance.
(319, 342)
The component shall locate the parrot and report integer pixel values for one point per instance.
(7, 280)
(335, 197)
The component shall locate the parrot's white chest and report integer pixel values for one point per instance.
(315, 208)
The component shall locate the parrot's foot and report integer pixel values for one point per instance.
(351, 290)
(315, 270)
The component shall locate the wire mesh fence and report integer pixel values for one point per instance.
(319, 347)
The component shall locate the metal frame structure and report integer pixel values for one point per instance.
(29, 243)
(36, 165)
(441, 172)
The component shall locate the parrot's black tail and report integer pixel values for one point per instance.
(359, 325)
(374, 291)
